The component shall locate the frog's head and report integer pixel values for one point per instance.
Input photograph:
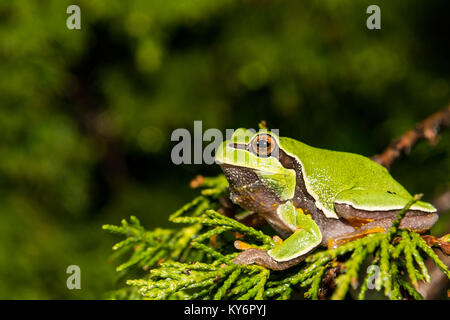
(252, 165)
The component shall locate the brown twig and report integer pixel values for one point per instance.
(427, 129)
(328, 283)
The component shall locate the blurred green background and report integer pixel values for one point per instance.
(86, 115)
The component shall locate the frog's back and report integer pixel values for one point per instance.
(327, 173)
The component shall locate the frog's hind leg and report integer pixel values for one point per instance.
(369, 228)
(417, 223)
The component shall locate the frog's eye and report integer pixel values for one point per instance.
(263, 145)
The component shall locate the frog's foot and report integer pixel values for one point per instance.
(376, 226)
(333, 243)
(442, 242)
(262, 258)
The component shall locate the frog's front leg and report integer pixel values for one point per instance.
(291, 251)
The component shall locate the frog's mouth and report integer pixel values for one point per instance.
(220, 157)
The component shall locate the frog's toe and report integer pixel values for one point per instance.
(444, 243)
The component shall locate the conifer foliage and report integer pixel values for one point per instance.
(194, 261)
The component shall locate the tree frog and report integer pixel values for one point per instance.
(311, 196)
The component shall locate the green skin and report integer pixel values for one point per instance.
(312, 196)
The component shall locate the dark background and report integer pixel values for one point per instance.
(86, 115)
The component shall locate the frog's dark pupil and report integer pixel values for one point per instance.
(262, 144)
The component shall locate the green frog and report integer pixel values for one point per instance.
(312, 196)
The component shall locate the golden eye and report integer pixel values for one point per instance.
(263, 145)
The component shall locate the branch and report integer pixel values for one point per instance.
(427, 129)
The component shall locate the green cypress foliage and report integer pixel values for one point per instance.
(183, 263)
